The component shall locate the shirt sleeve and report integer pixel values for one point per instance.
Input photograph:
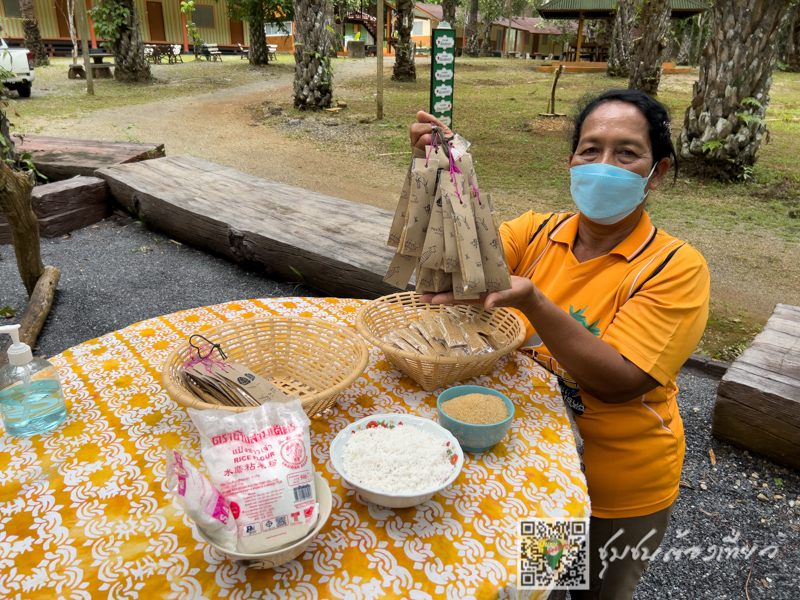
(516, 236)
(659, 327)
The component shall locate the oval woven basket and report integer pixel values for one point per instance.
(309, 357)
(396, 311)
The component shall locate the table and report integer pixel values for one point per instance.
(83, 511)
(103, 71)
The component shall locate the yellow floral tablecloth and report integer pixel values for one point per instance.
(84, 513)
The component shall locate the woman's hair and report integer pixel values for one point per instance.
(657, 115)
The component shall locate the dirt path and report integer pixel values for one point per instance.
(219, 127)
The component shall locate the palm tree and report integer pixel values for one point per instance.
(313, 77)
(33, 37)
(130, 65)
(404, 67)
(449, 12)
(646, 68)
(724, 126)
(619, 55)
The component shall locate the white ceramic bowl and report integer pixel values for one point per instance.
(284, 554)
(396, 500)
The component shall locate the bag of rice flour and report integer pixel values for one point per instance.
(260, 461)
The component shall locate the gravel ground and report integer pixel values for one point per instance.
(118, 273)
(716, 503)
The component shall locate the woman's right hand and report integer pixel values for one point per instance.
(421, 131)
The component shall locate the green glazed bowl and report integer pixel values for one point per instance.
(474, 438)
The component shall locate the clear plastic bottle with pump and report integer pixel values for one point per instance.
(31, 398)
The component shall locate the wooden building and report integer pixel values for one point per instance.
(161, 21)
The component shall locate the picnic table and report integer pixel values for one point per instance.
(86, 514)
(155, 53)
(100, 68)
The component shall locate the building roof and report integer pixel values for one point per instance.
(598, 9)
(434, 10)
(541, 26)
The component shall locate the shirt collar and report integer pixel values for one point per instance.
(629, 248)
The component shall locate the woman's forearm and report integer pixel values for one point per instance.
(596, 366)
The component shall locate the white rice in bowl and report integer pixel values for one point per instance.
(402, 460)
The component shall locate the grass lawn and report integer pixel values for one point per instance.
(745, 229)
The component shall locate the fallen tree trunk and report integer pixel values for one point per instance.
(15, 202)
(38, 308)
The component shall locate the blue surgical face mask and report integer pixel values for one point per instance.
(607, 194)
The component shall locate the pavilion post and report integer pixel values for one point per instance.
(580, 35)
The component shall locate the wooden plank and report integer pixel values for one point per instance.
(758, 399)
(62, 158)
(65, 206)
(338, 246)
(70, 194)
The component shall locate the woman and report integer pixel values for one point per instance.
(613, 308)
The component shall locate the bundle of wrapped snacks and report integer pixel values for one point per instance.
(443, 229)
(447, 333)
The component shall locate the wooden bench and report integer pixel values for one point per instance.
(65, 206)
(338, 246)
(212, 52)
(758, 399)
(271, 50)
(99, 70)
(245, 52)
(60, 158)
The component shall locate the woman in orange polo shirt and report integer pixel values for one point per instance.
(613, 306)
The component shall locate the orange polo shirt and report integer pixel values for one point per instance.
(648, 298)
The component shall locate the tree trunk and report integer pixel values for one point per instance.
(486, 46)
(793, 42)
(330, 25)
(473, 48)
(685, 49)
(313, 77)
(724, 126)
(33, 37)
(619, 55)
(404, 67)
(258, 53)
(449, 12)
(646, 68)
(697, 44)
(15, 202)
(130, 65)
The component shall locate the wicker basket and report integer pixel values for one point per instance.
(310, 357)
(396, 311)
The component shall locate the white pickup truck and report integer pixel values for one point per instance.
(16, 69)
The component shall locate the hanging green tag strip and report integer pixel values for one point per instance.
(443, 62)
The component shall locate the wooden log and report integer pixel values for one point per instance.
(758, 399)
(64, 206)
(338, 246)
(37, 310)
(62, 158)
(15, 202)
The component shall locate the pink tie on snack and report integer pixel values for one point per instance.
(453, 172)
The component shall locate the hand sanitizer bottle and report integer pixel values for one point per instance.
(31, 399)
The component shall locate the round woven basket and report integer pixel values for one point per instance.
(309, 357)
(396, 311)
